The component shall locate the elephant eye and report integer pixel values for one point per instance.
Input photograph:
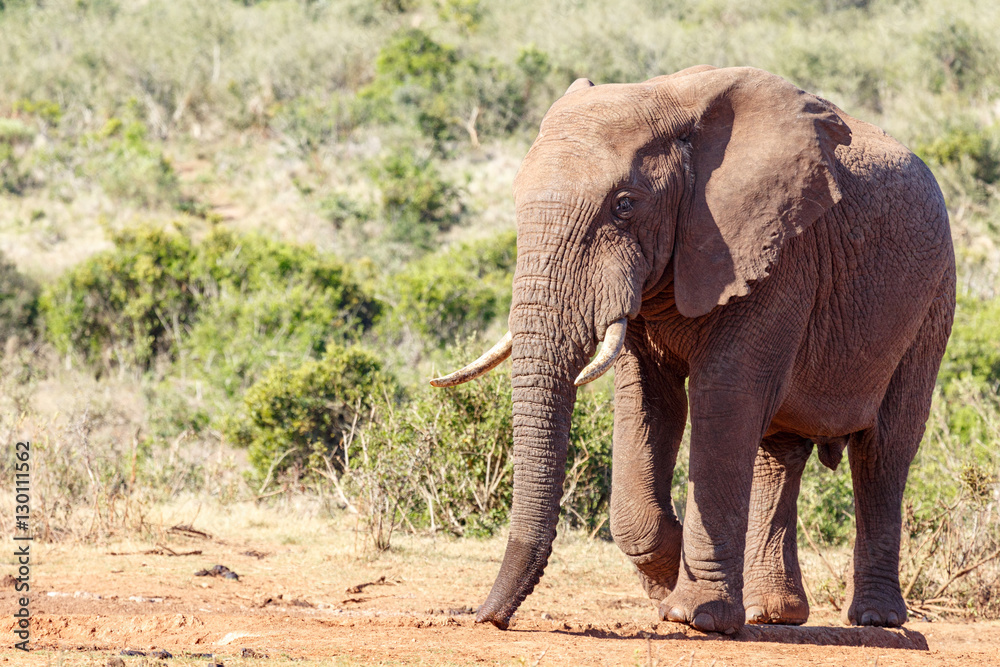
(624, 207)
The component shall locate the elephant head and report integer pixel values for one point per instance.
(695, 179)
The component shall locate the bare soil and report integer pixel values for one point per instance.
(307, 594)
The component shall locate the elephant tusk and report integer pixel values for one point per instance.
(614, 341)
(480, 366)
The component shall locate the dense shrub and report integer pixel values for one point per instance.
(264, 301)
(826, 503)
(231, 304)
(412, 72)
(974, 347)
(18, 303)
(126, 305)
(961, 58)
(311, 122)
(128, 166)
(965, 146)
(14, 136)
(443, 461)
(416, 201)
(453, 294)
(297, 417)
(446, 94)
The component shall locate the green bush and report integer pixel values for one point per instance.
(314, 121)
(961, 58)
(974, 348)
(18, 303)
(264, 301)
(229, 305)
(453, 294)
(417, 202)
(13, 136)
(826, 503)
(126, 305)
(412, 74)
(128, 166)
(298, 417)
(443, 461)
(446, 94)
(967, 146)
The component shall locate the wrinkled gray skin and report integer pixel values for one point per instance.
(794, 264)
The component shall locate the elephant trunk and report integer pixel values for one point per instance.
(545, 360)
(543, 405)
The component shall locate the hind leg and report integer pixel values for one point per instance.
(880, 459)
(772, 580)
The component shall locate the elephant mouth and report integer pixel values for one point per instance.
(614, 342)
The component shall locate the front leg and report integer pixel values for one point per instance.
(725, 434)
(650, 413)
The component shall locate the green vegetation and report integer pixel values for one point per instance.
(127, 305)
(127, 166)
(416, 202)
(451, 295)
(18, 303)
(294, 418)
(229, 300)
(258, 227)
(442, 461)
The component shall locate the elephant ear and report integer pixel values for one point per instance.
(579, 84)
(764, 169)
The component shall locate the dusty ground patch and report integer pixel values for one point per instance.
(306, 594)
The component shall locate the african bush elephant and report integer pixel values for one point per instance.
(793, 263)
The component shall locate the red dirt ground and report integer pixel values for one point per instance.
(297, 603)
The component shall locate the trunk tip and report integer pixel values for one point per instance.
(498, 622)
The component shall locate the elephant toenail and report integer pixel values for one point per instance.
(755, 614)
(677, 615)
(870, 618)
(892, 619)
(704, 622)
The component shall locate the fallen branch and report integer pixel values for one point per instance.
(961, 573)
(357, 588)
(190, 531)
(950, 610)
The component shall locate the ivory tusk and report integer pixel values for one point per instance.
(480, 366)
(614, 341)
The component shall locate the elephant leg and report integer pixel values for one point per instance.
(772, 580)
(725, 435)
(650, 414)
(880, 459)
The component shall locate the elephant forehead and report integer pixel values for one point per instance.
(570, 165)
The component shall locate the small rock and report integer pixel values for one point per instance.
(546, 616)
(218, 571)
(215, 663)
(115, 661)
(132, 651)
(250, 653)
(162, 654)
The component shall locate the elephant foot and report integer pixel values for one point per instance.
(705, 609)
(882, 606)
(777, 607)
(656, 589)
